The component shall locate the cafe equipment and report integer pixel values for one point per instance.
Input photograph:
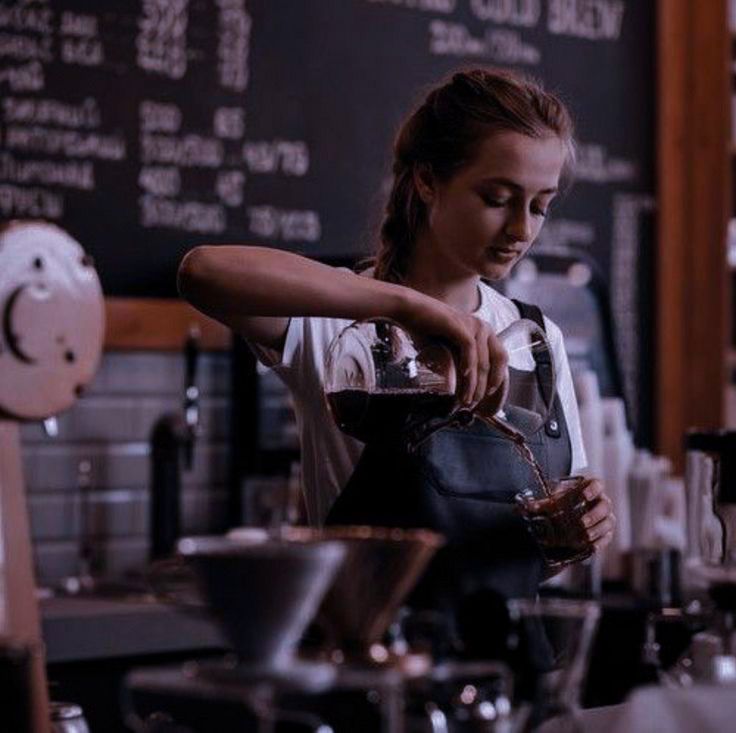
(263, 592)
(709, 574)
(67, 718)
(461, 697)
(380, 568)
(51, 340)
(16, 685)
(172, 448)
(341, 658)
(383, 383)
(552, 638)
(710, 481)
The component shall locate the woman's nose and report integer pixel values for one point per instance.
(519, 226)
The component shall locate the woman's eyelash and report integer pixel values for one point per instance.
(497, 203)
(490, 201)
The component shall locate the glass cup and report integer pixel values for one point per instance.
(556, 520)
(553, 638)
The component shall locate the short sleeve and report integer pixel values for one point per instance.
(283, 362)
(301, 363)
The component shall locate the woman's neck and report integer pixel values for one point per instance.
(442, 281)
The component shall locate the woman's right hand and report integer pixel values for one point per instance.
(482, 359)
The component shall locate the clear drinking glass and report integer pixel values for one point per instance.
(556, 520)
(560, 633)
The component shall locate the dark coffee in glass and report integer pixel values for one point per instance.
(556, 520)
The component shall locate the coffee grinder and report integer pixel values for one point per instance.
(52, 334)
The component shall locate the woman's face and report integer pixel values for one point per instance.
(485, 218)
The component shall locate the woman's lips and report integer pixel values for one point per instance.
(502, 255)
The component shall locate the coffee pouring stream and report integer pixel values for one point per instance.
(383, 383)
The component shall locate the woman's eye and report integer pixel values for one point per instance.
(494, 202)
(541, 209)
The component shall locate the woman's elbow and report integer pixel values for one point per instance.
(192, 273)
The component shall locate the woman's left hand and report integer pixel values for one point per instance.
(599, 520)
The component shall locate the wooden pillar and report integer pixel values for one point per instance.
(694, 205)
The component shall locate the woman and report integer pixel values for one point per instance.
(476, 168)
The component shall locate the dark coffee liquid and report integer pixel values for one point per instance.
(387, 415)
(556, 521)
(524, 450)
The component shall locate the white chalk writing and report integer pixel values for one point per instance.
(70, 174)
(26, 48)
(72, 143)
(30, 202)
(514, 12)
(159, 117)
(26, 78)
(591, 19)
(233, 50)
(502, 46)
(160, 180)
(229, 122)
(290, 157)
(626, 253)
(161, 41)
(430, 6)
(288, 225)
(25, 18)
(82, 51)
(188, 216)
(193, 151)
(77, 24)
(595, 166)
(51, 112)
(229, 186)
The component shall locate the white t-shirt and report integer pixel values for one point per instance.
(328, 455)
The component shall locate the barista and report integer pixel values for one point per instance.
(476, 169)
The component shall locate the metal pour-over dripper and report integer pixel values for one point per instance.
(264, 592)
(380, 569)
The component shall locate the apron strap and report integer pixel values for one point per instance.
(545, 370)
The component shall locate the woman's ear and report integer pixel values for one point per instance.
(424, 182)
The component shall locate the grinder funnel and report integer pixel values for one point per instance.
(264, 592)
(381, 567)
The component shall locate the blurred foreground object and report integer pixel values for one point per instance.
(51, 337)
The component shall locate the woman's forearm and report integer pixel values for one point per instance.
(257, 281)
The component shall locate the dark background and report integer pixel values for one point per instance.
(338, 76)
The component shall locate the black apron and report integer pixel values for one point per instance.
(461, 482)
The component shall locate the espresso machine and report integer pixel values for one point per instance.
(50, 344)
(709, 573)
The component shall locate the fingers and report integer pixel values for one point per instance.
(593, 489)
(598, 511)
(603, 542)
(468, 371)
(483, 368)
(483, 360)
(498, 364)
(599, 521)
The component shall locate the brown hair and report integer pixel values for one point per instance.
(444, 133)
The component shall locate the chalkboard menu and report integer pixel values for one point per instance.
(146, 127)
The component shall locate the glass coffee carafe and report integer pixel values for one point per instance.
(384, 383)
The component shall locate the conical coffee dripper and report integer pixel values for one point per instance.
(264, 592)
(383, 383)
(380, 569)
